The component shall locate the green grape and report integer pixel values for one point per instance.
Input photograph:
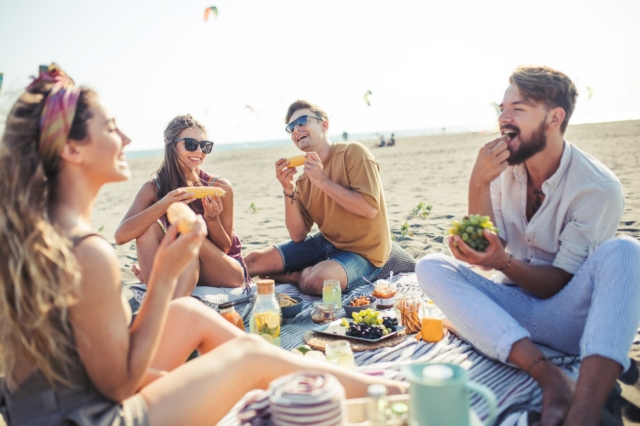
(471, 230)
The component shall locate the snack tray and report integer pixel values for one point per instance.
(336, 330)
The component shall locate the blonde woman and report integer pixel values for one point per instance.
(70, 355)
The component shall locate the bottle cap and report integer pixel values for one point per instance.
(377, 391)
(265, 286)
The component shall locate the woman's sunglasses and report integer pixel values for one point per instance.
(300, 121)
(191, 145)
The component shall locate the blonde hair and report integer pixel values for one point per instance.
(39, 274)
(548, 86)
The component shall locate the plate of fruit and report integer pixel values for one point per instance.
(367, 326)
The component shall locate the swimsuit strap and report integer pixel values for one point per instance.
(157, 183)
(78, 237)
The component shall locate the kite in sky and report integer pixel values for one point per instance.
(211, 10)
(366, 97)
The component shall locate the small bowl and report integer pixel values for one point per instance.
(349, 310)
(292, 311)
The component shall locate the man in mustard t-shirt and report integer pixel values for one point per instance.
(340, 191)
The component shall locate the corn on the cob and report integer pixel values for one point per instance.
(183, 215)
(296, 161)
(204, 191)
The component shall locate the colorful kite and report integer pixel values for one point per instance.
(1, 75)
(211, 10)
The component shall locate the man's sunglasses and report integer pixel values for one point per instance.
(191, 145)
(300, 122)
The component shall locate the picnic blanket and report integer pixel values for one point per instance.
(516, 392)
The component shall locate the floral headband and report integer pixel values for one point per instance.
(57, 114)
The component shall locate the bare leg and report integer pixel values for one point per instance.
(187, 280)
(146, 247)
(597, 377)
(267, 261)
(203, 390)
(289, 278)
(217, 269)
(557, 388)
(312, 279)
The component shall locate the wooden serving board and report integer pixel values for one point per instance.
(319, 341)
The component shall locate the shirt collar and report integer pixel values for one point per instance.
(520, 171)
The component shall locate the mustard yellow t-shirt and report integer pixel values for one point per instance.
(353, 166)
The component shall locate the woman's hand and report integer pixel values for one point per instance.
(177, 195)
(175, 253)
(212, 207)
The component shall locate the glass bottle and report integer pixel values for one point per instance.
(432, 324)
(409, 310)
(266, 316)
(332, 292)
(399, 414)
(339, 352)
(377, 407)
(228, 312)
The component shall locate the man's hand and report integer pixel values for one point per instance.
(314, 169)
(285, 175)
(493, 257)
(491, 161)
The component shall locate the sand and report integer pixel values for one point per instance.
(431, 169)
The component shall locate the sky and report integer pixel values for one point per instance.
(428, 64)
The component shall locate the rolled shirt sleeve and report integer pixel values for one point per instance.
(593, 219)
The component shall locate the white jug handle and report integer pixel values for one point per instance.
(488, 396)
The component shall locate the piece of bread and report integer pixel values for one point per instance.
(181, 214)
(296, 161)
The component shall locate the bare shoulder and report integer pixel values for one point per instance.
(97, 260)
(149, 190)
(224, 183)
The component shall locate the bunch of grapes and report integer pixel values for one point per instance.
(471, 230)
(368, 325)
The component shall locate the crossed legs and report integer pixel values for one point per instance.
(596, 315)
(213, 267)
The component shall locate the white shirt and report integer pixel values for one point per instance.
(582, 207)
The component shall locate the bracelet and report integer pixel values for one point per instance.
(508, 263)
(292, 195)
(535, 361)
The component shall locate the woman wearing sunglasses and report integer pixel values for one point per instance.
(68, 352)
(220, 263)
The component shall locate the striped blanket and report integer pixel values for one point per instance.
(516, 392)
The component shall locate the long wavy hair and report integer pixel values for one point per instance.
(39, 274)
(172, 174)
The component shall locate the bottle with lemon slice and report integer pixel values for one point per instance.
(266, 316)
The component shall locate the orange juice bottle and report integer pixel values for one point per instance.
(228, 312)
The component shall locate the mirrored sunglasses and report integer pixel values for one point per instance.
(191, 144)
(300, 122)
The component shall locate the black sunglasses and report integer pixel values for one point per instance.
(300, 121)
(191, 145)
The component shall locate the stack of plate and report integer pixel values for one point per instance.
(307, 398)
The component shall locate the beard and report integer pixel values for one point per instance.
(529, 147)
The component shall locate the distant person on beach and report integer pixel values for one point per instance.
(564, 282)
(345, 136)
(382, 141)
(185, 149)
(69, 352)
(339, 190)
(392, 140)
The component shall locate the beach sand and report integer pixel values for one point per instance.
(431, 169)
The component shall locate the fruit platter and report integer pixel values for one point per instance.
(366, 326)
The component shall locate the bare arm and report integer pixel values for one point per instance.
(145, 210)
(348, 199)
(117, 359)
(292, 215)
(540, 281)
(218, 214)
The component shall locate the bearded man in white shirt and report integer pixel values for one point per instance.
(564, 281)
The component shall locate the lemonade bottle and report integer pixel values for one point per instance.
(332, 292)
(266, 315)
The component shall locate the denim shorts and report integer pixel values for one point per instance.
(316, 248)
